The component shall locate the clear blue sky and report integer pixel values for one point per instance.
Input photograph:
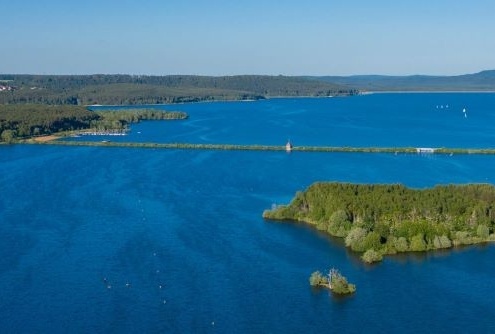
(220, 37)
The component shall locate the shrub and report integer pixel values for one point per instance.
(355, 239)
(339, 284)
(462, 238)
(317, 279)
(339, 224)
(483, 231)
(371, 241)
(441, 242)
(418, 243)
(371, 256)
(401, 244)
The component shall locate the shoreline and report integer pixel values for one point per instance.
(427, 92)
(434, 220)
(44, 139)
(361, 93)
(226, 100)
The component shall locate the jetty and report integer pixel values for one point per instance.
(103, 133)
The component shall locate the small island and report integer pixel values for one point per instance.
(334, 280)
(379, 219)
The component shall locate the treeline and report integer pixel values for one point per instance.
(132, 89)
(386, 219)
(122, 118)
(21, 121)
(482, 81)
(24, 121)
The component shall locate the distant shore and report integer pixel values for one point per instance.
(426, 91)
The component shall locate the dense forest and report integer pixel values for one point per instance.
(23, 121)
(144, 89)
(137, 89)
(386, 219)
(121, 119)
(482, 81)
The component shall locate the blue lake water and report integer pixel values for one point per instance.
(384, 120)
(120, 240)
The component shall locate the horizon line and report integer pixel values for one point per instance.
(246, 75)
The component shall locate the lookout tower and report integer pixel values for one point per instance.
(288, 146)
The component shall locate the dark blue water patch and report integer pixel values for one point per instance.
(126, 240)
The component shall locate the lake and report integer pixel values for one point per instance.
(123, 240)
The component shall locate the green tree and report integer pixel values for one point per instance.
(418, 243)
(8, 136)
(318, 279)
(338, 283)
(483, 231)
(371, 256)
(462, 238)
(339, 224)
(371, 241)
(401, 244)
(355, 239)
(442, 242)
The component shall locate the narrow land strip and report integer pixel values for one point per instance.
(189, 146)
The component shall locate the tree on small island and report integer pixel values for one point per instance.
(334, 280)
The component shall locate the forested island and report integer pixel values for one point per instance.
(143, 89)
(24, 121)
(381, 219)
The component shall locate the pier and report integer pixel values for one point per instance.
(103, 133)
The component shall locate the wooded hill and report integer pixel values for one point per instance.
(135, 89)
(138, 89)
(386, 219)
(27, 120)
(482, 81)
(21, 121)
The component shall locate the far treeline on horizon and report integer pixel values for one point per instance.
(118, 89)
